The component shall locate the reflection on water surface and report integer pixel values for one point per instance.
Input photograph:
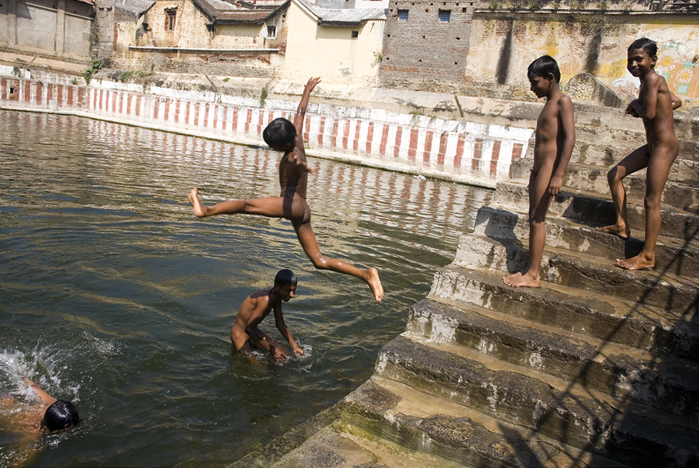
(114, 295)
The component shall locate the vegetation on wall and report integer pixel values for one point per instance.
(95, 66)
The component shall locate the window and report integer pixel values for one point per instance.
(402, 15)
(271, 32)
(444, 16)
(170, 16)
(355, 34)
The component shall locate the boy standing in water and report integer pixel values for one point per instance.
(654, 105)
(245, 335)
(555, 138)
(282, 135)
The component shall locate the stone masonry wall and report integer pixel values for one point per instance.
(428, 39)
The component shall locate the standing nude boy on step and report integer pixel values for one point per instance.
(282, 135)
(555, 139)
(654, 105)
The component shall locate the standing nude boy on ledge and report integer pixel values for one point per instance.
(555, 139)
(654, 105)
(282, 135)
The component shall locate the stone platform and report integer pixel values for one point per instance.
(598, 367)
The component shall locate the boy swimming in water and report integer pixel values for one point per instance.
(282, 135)
(22, 422)
(654, 105)
(245, 334)
(555, 139)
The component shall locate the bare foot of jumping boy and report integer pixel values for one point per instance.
(622, 231)
(199, 208)
(375, 284)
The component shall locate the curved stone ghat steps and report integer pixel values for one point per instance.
(598, 367)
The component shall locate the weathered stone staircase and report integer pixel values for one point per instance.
(598, 367)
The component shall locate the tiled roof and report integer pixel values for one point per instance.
(134, 6)
(342, 17)
(223, 12)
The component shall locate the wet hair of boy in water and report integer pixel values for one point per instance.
(285, 277)
(279, 132)
(646, 44)
(543, 66)
(60, 415)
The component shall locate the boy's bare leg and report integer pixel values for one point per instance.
(637, 160)
(310, 246)
(272, 207)
(539, 200)
(658, 170)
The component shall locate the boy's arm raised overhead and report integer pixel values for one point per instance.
(566, 126)
(301, 111)
(284, 330)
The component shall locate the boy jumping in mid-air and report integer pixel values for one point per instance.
(555, 138)
(282, 135)
(245, 334)
(654, 105)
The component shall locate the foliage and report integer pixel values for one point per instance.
(125, 75)
(16, 71)
(263, 96)
(225, 80)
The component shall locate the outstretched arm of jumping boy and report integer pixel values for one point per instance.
(284, 330)
(567, 128)
(301, 111)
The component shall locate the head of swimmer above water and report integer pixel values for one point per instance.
(285, 284)
(60, 415)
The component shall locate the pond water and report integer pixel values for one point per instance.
(113, 295)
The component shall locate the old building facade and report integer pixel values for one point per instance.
(52, 28)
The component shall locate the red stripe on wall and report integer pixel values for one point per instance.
(234, 122)
(333, 133)
(412, 148)
(427, 153)
(443, 140)
(39, 92)
(399, 135)
(357, 130)
(345, 136)
(384, 140)
(460, 144)
(306, 127)
(321, 130)
(369, 137)
(477, 149)
(517, 151)
(494, 157)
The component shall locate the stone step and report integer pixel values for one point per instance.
(394, 413)
(672, 255)
(589, 208)
(636, 325)
(636, 438)
(600, 277)
(599, 159)
(624, 373)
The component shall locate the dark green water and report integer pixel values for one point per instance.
(113, 295)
